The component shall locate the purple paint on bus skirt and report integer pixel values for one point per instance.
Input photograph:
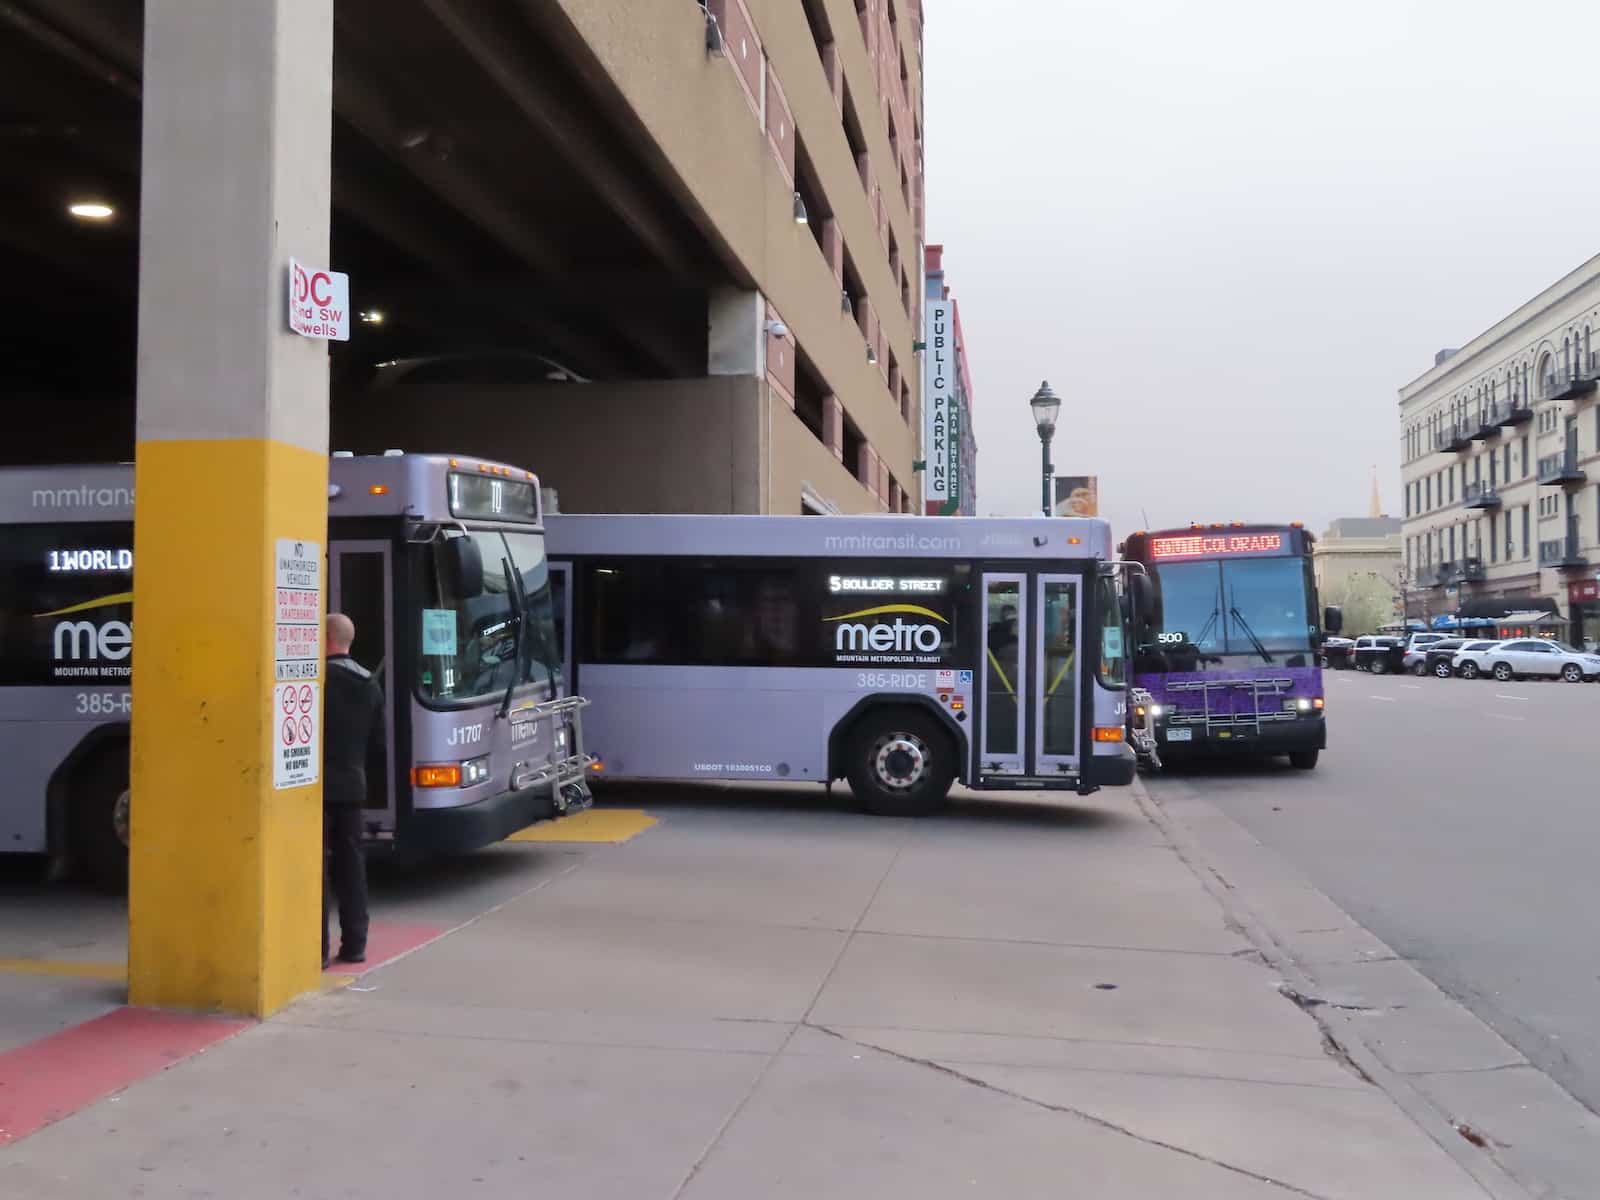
(1293, 683)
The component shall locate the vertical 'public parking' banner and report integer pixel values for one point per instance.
(941, 415)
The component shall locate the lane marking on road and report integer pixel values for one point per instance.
(114, 972)
(1385, 699)
(1504, 717)
(1504, 696)
(1415, 687)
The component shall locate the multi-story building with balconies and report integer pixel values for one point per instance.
(1500, 453)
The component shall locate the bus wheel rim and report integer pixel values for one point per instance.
(900, 761)
(120, 817)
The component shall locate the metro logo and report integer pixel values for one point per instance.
(76, 640)
(888, 637)
(99, 645)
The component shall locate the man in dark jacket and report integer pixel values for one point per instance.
(352, 728)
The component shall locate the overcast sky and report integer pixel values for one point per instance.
(1227, 231)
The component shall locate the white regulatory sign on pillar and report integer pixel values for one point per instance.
(319, 303)
(296, 715)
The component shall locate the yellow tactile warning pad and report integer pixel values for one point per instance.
(594, 825)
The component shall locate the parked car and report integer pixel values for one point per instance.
(1435, 657)
(1539, 658)
(1469, 662)
(1379, 654)
(1336, 653)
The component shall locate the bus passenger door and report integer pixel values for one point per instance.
(561, 605)
(1056, 719)
(359, 585)
(1004, 677)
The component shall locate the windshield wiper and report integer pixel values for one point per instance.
(516, 637)
(1255, 642)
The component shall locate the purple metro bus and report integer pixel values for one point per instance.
(1227, 641)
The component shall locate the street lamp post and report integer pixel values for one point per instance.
(1046, 405)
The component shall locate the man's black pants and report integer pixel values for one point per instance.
(344, 875)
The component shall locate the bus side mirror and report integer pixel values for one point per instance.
(1332, 619)
(464, 561)
(1144, 600)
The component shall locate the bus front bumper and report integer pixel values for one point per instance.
(1279, 737)
(438, 831)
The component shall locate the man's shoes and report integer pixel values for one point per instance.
(347, 955)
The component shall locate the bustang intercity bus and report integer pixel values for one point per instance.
(1228, 640)
(439, 561)
(898, 653)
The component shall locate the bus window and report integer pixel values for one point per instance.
(66, 616)
(1002, 716)
(468, 644)
(1059, 621)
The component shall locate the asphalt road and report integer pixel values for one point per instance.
(1460, 822)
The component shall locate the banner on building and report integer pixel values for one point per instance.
(941, 414)
(1077, 496)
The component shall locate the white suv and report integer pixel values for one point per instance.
(1541, 658)
(1469, 660)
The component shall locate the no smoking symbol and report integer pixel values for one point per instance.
(306, 699)
(288, 731)
(305, 730)
(288, 701)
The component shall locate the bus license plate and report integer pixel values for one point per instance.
(1180, 735)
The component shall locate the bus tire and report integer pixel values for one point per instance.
(901, 763)
(1303, 760)
(98, 818)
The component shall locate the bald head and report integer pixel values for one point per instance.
(341, 633)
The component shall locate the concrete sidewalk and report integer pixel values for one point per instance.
(766, 995)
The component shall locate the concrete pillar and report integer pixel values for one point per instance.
(226, 868)
(736, 339)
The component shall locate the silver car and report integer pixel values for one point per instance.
(1536, 658)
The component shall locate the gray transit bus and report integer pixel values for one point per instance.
(441, 563)
(898, 653)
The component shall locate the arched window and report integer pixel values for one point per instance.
(1547, 375)
(1588, 349)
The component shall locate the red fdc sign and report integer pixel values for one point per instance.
(1199, 545)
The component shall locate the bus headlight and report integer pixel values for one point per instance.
(1303, 704)
(475, 771)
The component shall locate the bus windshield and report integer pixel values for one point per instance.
(473, 647)
(1259, 607)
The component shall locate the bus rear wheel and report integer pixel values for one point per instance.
(902, 763)
(98, 819)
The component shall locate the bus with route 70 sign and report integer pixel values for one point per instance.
(439, 561)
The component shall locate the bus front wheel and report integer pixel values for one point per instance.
(99, 819)
(1303, 760)
(902, 763)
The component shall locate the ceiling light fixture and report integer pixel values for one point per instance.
(91, 211)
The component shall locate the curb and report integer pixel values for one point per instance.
(1246, 893)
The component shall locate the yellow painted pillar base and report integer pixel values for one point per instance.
(226, 871)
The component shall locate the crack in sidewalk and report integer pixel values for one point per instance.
(1065, 1110)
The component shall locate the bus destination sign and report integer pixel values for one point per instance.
(1199, 545)
(493, 498)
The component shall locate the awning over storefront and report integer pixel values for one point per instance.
(1496, 608)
